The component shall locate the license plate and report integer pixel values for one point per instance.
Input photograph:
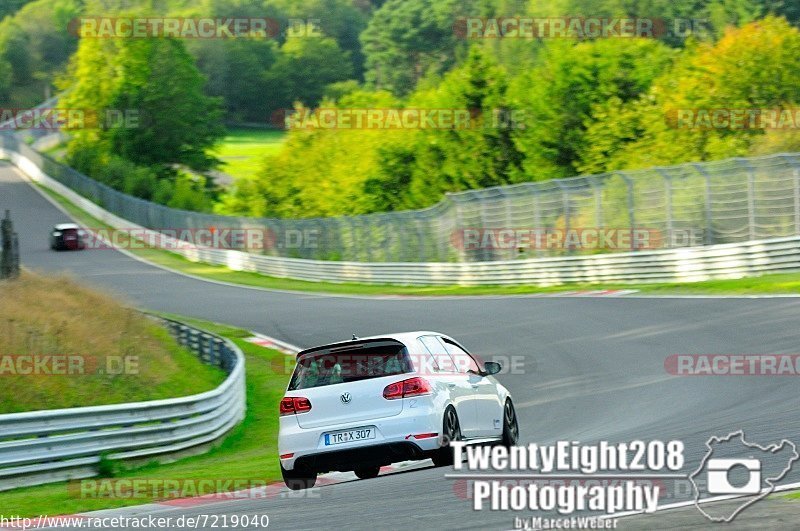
(345, 436)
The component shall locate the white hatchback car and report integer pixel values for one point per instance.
(365, 403)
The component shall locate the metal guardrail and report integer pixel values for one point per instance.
(731, 260)
(728, 201)
(55, 445)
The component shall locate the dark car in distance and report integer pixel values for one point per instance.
(67, 237)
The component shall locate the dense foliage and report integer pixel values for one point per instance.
(588, 106)
(541, 108)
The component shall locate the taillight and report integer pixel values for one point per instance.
(301, 405)
(411, 387)
(287, 406)
(393, 391)
(416, 387)
(295, 404)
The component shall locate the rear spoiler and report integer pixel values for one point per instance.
(348, 345)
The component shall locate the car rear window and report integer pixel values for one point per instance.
(349, 364)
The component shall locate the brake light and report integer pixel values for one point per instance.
(287, 406)
(301, 405)
(416, 387)
(393, 391)
(411, 387)
(295, 404)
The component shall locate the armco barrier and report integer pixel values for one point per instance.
(686, 264)
(688, 205)
(39, 447)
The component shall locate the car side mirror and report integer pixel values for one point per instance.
(492, 367)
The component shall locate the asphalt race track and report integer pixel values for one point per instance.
(593, 367)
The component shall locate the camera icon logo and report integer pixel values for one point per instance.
(720, 471)
(739, 469)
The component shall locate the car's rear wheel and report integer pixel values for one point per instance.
(451, 431)
(298, 479)
(510, 424)
(367, 472)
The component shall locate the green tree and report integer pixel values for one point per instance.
(673, 20)
(753, 67)
(5, 80)
(481, 155)
(35, 43)
(560, 94)
(168, 122)
(320, 172)
(8, 7)
(303, 70)
(408, 39)
(156, 79)
(236, 73)
(15, 52)
(789, 9)
(339, 19)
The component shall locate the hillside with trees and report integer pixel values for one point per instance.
(579, 104)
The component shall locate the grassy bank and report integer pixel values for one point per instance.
(779, 283)
(243, 149)
(93, 350)
(249, 452)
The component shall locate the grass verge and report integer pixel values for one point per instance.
(63, 345)
(778, 283)
(242, 151)
(249, 452)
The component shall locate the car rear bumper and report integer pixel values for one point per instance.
(364, 456)
(399, 438)
(62, 245)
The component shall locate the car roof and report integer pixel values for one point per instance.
(65, 226)
(407, 338)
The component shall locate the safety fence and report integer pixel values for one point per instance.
(56, 445)
(689, 205)
(732, 260)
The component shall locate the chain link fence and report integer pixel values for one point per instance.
(689, 205)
